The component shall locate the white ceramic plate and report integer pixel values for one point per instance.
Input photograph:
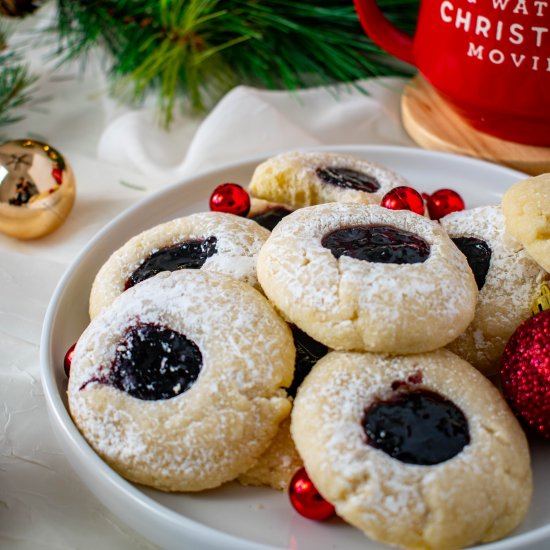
(234, 517)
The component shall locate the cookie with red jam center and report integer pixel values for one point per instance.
(417, 451)
(180, 383)
(362, 277)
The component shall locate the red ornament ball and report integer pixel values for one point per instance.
(67, 361)
(230, 198)
(443, 202)
(403, 198)
(306, 500)
(525, 373)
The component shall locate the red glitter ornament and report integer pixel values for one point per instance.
(443, 202)
(67, 361)
(525, 373)
(306, 500)
(230, 198)
(403, 198)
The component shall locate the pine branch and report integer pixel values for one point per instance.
(15, 84)
(198, 49)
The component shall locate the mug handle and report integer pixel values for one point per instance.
(382, 32)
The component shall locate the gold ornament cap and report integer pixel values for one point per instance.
(37, 189)
(542, 301)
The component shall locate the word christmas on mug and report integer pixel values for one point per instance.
(511, 22)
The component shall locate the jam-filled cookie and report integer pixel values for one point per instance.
(526, 207)
(210, 241)
(417, 451)
(280, 462)
(180, 383)
(506, 277)
(361, 277)
(307, 178)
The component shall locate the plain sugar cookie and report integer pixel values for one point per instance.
(526, 207)
(412, 292)
(507, 278)
(417, 451)
(210, 241)
(303, 179)
(180, 383)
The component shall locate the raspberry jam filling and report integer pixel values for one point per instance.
(308, 352)
(271, 217)
(348, 179)
(417, 427)
(478, 253)
(155, 363)
(185, 255)
(377, 243)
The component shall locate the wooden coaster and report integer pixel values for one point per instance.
(434, 125)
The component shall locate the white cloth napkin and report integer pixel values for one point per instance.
(249, 122)
(120, 155)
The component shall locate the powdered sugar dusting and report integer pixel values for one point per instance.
(510, 287)
(363, 299)
(238, 243)
(401, 503)
(291, 178)
(217, 428)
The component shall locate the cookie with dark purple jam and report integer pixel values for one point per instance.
(377, 243)
(363, 277)
(189, 254)
(211, 241)
(399, 444)
(507, 278)
(478, 254)
(347, 178)
(416, 427)
(180, 383)
(301, 179)
(155, 362)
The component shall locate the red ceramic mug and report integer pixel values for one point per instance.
(490, 59)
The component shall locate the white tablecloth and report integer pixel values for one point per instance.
(119, 156)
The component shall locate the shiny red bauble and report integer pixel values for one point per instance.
(443, 202)
(525, 373)
(403, 198)
(306, 500)
(67, 361)
(230, 198)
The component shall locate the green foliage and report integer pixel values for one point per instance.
(15, 84)
(198, 49)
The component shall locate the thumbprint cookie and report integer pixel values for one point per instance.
(362, 277)
(179, 385)
(210, 241)
(303, 179)
(507, 279)
(417, 451)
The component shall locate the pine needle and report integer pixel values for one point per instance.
(15, 84)
(192, 51)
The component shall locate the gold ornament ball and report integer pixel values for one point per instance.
(37, 189)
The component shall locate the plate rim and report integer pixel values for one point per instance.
(59, 413)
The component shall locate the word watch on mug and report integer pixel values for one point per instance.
(489, 59)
